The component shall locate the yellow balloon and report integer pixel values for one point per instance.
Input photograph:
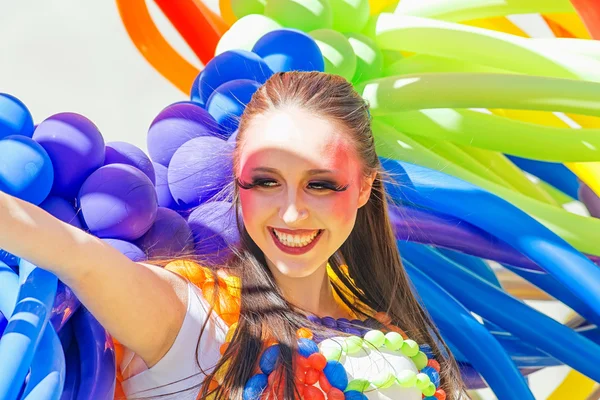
(227, 11)
(379, 6)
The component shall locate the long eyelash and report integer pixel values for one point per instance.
(245, 185)
(339, 188)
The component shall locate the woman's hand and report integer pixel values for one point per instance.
(141, 305)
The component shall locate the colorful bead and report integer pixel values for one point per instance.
(306, 347)
(406, 378)
(314, 319)
(434, 376)
(343, 323)
(353, 331)
(384, 380)
(394, 341)
(420, 360)
(433, 364)
(312, 376)
(354, 395)
(269, 358)
(425, 348)
(360, 385)
(325, 385)
(376, 338)
(329, 322)
(429, 389)
(331, 349)
(335, 394)
(353, 344)
(410, 348)
(304, 333)
(440, 394)
(336, 374)
(317, 361)
(313, 393)
(254, 387)
(423, 381)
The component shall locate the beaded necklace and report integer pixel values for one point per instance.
(319, 374)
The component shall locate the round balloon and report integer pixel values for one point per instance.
(304, 15)
(290, 50)
(214, 228)
(195, 91)
(349, 15)
(76, 148)
(163, 193)
(245, 32)
(62, 209)
(130, 250)
(15, 118)
(25, 170)
(227, 103)
(369, 59)
(118, 201)
(230, 65)
(337, 52)
(199, 171)
(169, 236)
(174, 126)
(127, 153)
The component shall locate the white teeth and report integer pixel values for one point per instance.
(295, 240)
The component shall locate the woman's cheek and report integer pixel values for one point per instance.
(342, 207)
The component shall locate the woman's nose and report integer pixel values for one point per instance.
(293, 212)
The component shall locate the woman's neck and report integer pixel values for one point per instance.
(313, 293)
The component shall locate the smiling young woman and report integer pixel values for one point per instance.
(313, 302)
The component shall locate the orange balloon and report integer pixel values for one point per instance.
(227, 11)
(193, 21)
(589, 11)
(155, 49)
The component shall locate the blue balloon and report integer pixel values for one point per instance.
(97, 356)
(447, 194)
(23, 334)
(482, 350)
(26, 171)
(48, 369)
(290, 50)
(195, 91)
(227, 103)
(72, 378)
(163, 193)
(556, 174)
(15, 118)
(231, 65)
(491, 303)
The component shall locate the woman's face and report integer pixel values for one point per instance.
(300, 188)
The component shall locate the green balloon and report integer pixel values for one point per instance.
(242, 8)
(337, 52)
(305, 15)
(369, 60)
(245, 32)
(350, 15)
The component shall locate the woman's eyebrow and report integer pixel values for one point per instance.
(309, 172)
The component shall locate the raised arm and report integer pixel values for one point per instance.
(141, 305)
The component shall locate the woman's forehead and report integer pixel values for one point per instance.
(295, 134)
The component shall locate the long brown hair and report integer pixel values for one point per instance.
(369, 276)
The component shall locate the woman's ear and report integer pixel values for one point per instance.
(365, 189)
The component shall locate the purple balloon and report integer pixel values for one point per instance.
(76, 149)
(118, 201)
(214, 228)
(199, 171)
(169, 236)
(174, 126)
(126, 153)
(589, 199)
(233, 137)
(165, 198)
(3, 323)
(62, 210)
(130, 250)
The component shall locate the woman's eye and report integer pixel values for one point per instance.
(265, 183)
